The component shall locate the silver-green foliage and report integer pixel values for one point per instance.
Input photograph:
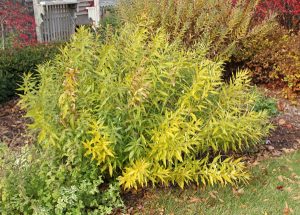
(144, 109)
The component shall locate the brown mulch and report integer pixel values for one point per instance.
(285, 138)
(13, 124)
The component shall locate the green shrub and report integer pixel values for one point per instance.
(223, 24)
(110, 18)
(38, 181)
(144, 109)
(15, 62)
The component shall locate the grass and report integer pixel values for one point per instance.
(273, 189)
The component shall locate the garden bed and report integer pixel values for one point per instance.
(285, 137)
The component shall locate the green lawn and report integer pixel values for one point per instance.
(273, 189)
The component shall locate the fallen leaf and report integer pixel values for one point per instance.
(295, 176)
(270, 148)
(195, 200)
(161, 211)
(281, 121)
(289, 189)
(276, 153)
(238, 192)
(288, 150)
(280, 178)
(279, 187)
(265, 200)
(212, 194)
(287, 210)
(243, 206)
(221, 200)
(130, 210)
(255, 163)
(140, 207)
(281, 105)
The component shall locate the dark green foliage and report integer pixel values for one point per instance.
(110, 18)
(15, 62)
(264, 103)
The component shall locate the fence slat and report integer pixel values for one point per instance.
(58, 22)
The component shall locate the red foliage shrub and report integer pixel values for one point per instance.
(274, 58)
(18, 21)
(288, 11)
(279, 6)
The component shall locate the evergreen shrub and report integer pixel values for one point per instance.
(15, 62)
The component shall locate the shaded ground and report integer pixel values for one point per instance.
(286, 136)
(13, 125)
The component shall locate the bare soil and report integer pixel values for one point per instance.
(285, 138)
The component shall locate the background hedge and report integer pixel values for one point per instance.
(17, 61)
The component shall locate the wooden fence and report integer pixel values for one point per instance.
(58, 22)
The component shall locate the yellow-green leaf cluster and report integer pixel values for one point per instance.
(145, 110)
(100, 146)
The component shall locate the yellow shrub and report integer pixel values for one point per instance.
(146, 110)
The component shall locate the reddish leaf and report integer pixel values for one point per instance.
(280, 188)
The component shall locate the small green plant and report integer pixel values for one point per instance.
(38, 181)
(145, 110)
(266, 103)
